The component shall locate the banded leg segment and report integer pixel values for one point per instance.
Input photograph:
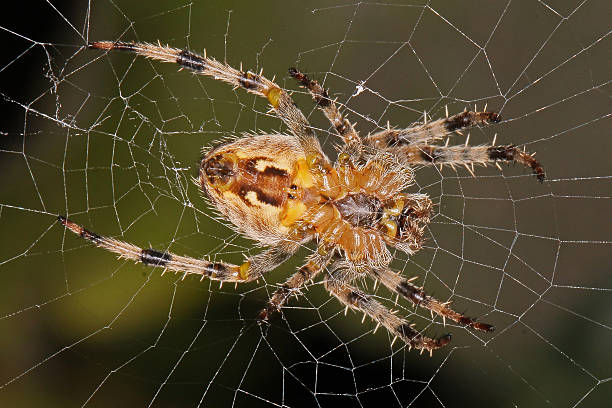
(280, 100)
(314, 265)
(398, 284)
(469, 155)
(432, 131)
(249, 271)
(345, 129)
(354, 298)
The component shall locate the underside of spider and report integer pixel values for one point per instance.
(282, 191)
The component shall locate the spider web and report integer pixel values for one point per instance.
(113, 141)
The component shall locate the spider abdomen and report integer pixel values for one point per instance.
(252, 181)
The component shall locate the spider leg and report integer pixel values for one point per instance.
(469, 155)
(313, 266)
(336, 283)
(352, 141)
(250, 270)
(398, 284)
(280, 100)
(431, 131)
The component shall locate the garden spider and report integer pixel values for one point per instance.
(282, 191)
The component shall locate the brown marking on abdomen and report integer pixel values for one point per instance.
(269, 185)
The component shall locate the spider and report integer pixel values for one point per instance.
(282, 191)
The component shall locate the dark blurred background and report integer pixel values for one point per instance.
(113, 142)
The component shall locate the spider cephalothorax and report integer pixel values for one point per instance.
(282, 191)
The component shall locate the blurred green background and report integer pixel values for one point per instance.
(113, 141)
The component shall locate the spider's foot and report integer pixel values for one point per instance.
(431, 344)
(511, 153)
(489, 117)
(483, 327)
(473, 324)
(264, 327)
(443, 340)
(319, 93)
(112, 45)
(79, 230)
(263, 318)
